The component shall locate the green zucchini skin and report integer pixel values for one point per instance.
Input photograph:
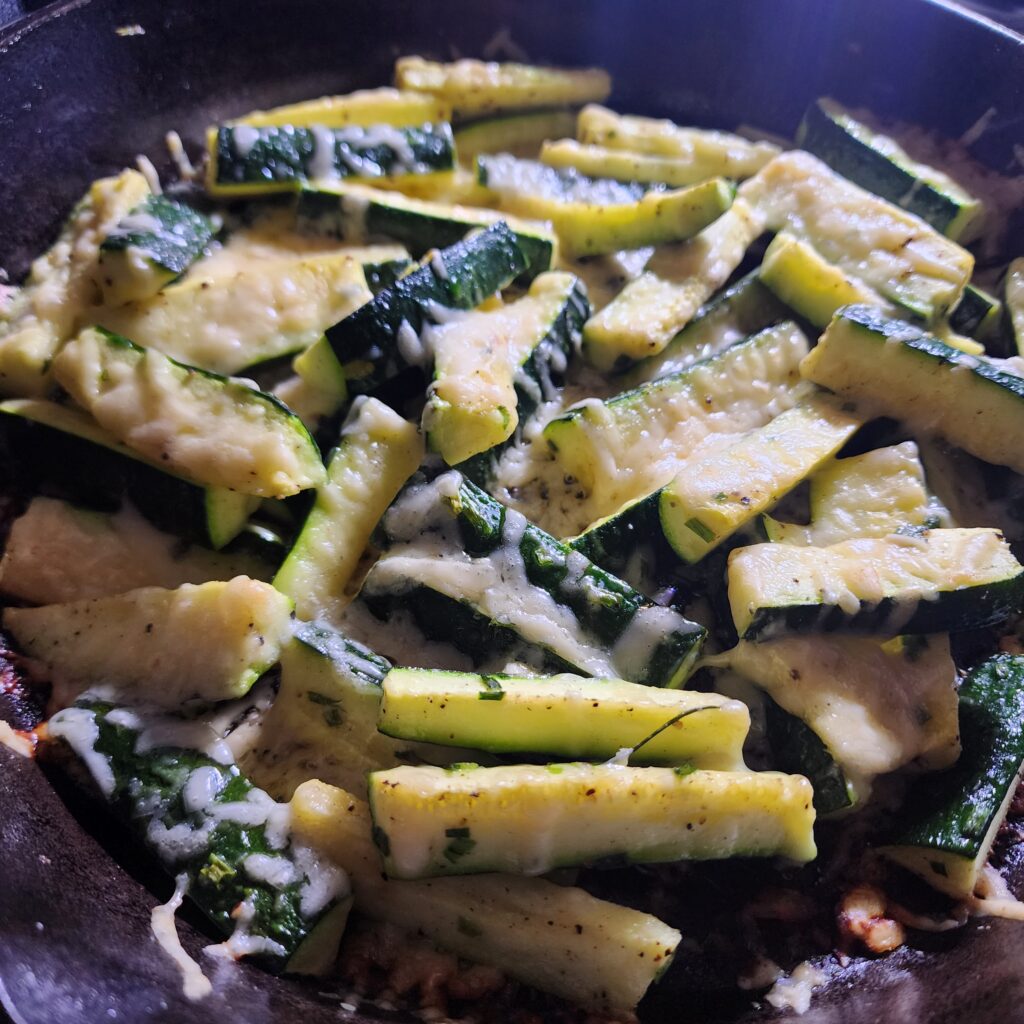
(797, 750)
(603, 605)
(823, 134)
(380, 276)
(612, 542)
(149, 790)
(954, 812)
(40, 457)
(979, 315)
(418, 226)
(167, 233)
(538, 377)
(288, 154)
(357, 659)
(950, 611)
(366, 342)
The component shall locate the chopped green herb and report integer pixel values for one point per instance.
(217, 869)
(697, 527)
(684, 769)
(493, 690)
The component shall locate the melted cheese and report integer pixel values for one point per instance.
(677, 280)
(226, 320)
(195, 984)
(874, 708)
(210, 641)
(219, 433)
(56, 553)
(864, 571)
(61, 290)
(625, 449)
(886, 248)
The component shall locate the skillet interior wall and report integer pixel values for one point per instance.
(78, 101)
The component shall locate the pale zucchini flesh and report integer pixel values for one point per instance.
(940, 580)
(214, 430)
(714, 496)
(808, 283)
(565, 715)
(870, 495)
(891, 251)
(477, 88)
(878, 163)
(559, 939)
(56, 552)
(1015, 301)
(377, 452)
(714, 152)
(401, 108)
(630, 445)
(207, 642)
(522, 135)
(646, 315)
(889, 367)
(529, 819)
(229, 319)
(60, 287)
(877, 706)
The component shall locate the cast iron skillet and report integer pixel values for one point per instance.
(77, 101)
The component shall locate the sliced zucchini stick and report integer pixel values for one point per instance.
(246, 160)
(556, 938)
(402, 108)
(356, 212)
(809, 284)
(890, 367)
(948, 824)
(202, 819)
(260, 309)
(742, 309)
(477, 574)
(57, 449)
(57, 552)
(550, 322)
(486, 361)
(323, 722)
(60, 287)
(376, 453)
(625, 165)
(386, 336)
(871, 495)
(215, 430)
(590, 227)
(157, 242)
(628, 446)
(979, 315)
(887, 249)
(649, 311)
(1015, 301)
(877, 707)
(940, 580)
(879, 164)
(709, 153)
(529, 819)
(717, 492)
(565, 715)
(797, 750)
(475, 88)
(521, 135)
(149, 642)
